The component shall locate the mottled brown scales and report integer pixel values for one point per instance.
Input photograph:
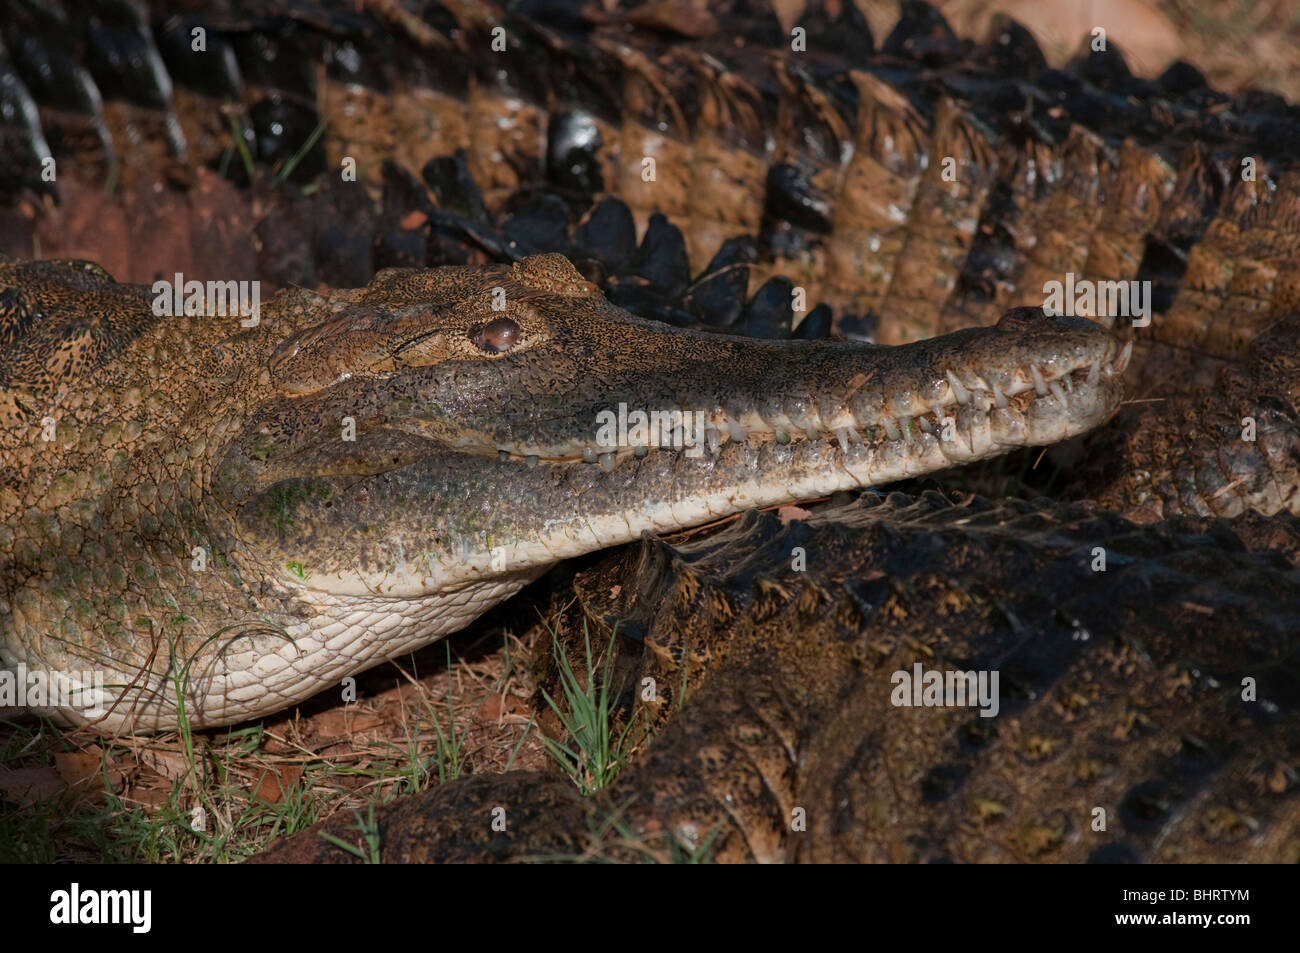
(60, 322)
(1039, 191)
(1232, 448)
(1121, 688)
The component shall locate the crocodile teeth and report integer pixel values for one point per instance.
(958, 391)
(891, 428)
(1122, 362)
(640, 450)
(925, 424)
(588, 455)
(713, 439)
(607, 462)
(737, 429)
(842, 435)
(999, 398)
(1040, 385)
(531, 460)
(1094, 373)
(1057, 391)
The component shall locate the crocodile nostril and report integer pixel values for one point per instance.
(498, 335)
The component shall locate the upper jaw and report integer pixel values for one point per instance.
(739, 390)
(415, 506)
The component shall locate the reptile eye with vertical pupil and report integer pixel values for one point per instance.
(498, 335)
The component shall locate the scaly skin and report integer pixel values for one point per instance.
(1120, 691)
(1230, 449)
(836, 159)
(840, 175)
(183, 438)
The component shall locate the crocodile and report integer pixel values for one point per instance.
(368, 471)
(473, 466)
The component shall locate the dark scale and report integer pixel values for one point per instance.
(541, 225)
(122, 55)
(815, 325)
(660, 261)
(606, 234)
(213, 72)
(573, 145)
(277, 66)
(23, 149)
(923, 35)
(769, 313)
(453, 187)
(717, 298)
(841, 31)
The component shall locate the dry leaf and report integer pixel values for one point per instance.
(413, 220)
(276, 782)
(790, 513)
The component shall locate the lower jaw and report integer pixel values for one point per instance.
(667, 491)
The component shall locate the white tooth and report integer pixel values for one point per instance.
(891, 428)
(981, 399)
(607, 462)
(854, 436)
(925, 424)
(1094, 373)
(1069, 384)
(713, 438)
(1040, 385)
(588, 455)
(1124, 356)
(1015, 387)
(998, 397)
(958, 391)
(842, 435)
(1057, 391)
(738, 431)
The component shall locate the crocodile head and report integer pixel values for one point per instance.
(457, 426)
(380, 477)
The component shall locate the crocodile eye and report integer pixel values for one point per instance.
(496, 336)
